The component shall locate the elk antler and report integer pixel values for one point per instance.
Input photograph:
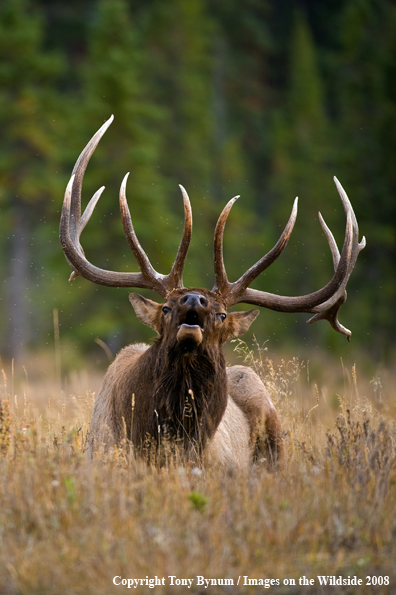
(325, 302)
(72, 224)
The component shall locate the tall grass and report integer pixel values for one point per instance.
(69, 527)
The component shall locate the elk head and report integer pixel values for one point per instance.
(195, 317)
(192, 317)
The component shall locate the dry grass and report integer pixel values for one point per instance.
(68, 527)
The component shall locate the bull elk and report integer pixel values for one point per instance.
(179, 388)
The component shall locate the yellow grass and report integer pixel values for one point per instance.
(69, 527)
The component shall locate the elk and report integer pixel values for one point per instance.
(180, 388)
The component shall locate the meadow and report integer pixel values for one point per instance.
(71, 527)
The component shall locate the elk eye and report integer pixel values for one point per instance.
(166, 310)
(222, 316)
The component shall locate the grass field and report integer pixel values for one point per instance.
(69, 527)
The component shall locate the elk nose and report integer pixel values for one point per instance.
(193, 300)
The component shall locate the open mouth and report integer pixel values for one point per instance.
(192, 319)
(190, 332)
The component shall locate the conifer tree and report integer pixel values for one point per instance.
(365, 101)
(224, 97)
(303, 165)
(28, 158)
(113, 81)
(191, 76)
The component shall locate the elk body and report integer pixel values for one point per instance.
(179, 389)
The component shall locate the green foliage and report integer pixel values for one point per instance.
(223, 97)
(366, 109)
(199, 501)
(26, 76)
(29, 160)
(112, 78)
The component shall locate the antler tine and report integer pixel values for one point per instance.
(222, 284)
(76, 222)
(335, 253)
(356, 246)
(164, 283)
(78, 173)
(72, 215)
(175, 277)
(306, 303)
(330, 312)
(85, 217)
(140, 255)
(73, 231)
(260, 266)
(72, 224)
(325, 302)
(75, 254)
(231, 290)
(347, 206)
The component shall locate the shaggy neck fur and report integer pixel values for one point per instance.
(188, 395)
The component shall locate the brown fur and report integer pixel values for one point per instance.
(249, 393)
(180, 390)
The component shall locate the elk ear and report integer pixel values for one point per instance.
(146, 310)
(239, 323)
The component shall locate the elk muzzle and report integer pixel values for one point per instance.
(192, 308)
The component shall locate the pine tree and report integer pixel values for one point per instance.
(28, 159)
(303, 166)
(364, 79)
(113, 80)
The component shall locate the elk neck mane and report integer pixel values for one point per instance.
(189, 389)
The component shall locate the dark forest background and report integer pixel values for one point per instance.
(266, 99)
